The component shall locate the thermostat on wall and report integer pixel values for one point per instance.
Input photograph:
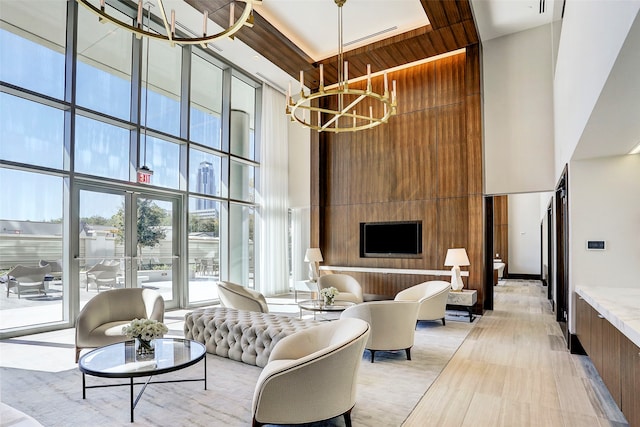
(595, 245)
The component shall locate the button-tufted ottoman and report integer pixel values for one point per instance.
(245, 336)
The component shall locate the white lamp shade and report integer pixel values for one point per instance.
(457, 256)
(313, 255)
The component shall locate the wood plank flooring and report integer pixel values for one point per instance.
(514, 369)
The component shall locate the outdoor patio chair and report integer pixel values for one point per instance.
(27, 279)
(103, 275)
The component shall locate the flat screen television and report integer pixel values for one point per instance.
(400, 239)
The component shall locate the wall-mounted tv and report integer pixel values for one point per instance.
(400, 239)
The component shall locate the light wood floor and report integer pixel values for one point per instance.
(514, 370)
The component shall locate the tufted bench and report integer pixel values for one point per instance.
(245, 336)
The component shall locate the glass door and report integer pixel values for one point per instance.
(126, 239)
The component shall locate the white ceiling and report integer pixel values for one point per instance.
(496, 18)
(313, 24)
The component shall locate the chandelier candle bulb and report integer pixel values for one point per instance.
(369, 77)
(205, 18)
(140, 14)
(301, 82)
(370, 112)
(319, 119)
(321, 77)
(173, 22)
(354, 118)
(386, 84)
(232, 14)
(346, 73)
(393, 93)
(102, 4)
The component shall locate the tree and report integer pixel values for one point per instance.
(149, 227)
(204, 225)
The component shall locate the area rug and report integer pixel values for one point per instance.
(388, 389)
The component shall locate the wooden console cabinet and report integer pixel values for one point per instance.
(615, 357)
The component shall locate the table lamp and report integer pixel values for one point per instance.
(455, 258)
(313, 257)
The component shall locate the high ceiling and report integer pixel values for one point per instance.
(298, 35)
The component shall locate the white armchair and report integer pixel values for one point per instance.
(432, 297)
(101, 320)
(349, 288)
(235, 296)
(311, 375)
(393, 324)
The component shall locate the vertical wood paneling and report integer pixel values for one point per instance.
(474, 144)
(450, 80)
(425, 164)
(501, 229)
(475, 247)
(453, 226)
(472, 69)
(414, 158)
(417, 85)
(452, 151)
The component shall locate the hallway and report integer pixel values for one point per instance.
(514, 369)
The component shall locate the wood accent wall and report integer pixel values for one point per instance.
(501, 230)
(425, 164)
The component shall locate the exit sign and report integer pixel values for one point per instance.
(144, 175)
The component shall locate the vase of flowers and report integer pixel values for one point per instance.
(145, 331)
(329, 295)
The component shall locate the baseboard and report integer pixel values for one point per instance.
(574, 345)
(516, 276)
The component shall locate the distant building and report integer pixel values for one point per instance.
(206, 185)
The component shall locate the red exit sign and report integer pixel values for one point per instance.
(144, 176)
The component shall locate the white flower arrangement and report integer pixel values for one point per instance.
(329, 293)
(145, 329)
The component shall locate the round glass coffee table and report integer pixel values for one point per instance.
(119, 361)
(318, 306)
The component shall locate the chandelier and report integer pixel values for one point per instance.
(321, 115)
(246, 18)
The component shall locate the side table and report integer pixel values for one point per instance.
(305, 286)
(465, 299)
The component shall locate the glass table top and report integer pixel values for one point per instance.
(119, 360)
(317, 305)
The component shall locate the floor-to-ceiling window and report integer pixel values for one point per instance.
(77, 123)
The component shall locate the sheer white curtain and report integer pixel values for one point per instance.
(300, 238)
(274, 170)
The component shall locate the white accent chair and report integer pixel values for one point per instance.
(27, 279)
(393, 324)
(311, 375)
(101, 320)
(348, 287)
(239, 297)
(431, 295)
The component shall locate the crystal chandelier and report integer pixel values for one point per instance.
(246, 18)
(321, 116)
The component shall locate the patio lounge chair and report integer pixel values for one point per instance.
(103, 275)
(27, 279)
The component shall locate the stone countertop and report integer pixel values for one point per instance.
(620, 306)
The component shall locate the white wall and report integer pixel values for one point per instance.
(604, 204)
(524, 234)
(518, 112)
(585, 60)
